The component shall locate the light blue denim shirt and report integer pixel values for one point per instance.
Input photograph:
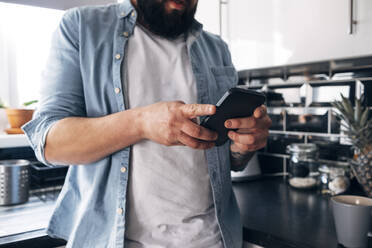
(83, 78)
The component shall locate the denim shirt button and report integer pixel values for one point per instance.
(117, 90)
(126, 34)
(117, 56)
(120, 211)
(123, 169)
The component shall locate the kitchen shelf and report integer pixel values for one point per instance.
(299, 83)
(358, 65)
(323, 161)
(308, 134)
(13, 140)
(300, 110)
(276, 155)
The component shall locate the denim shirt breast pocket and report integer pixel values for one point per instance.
(225, 77)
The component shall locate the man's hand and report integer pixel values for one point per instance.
(171, 123)
(251, 135)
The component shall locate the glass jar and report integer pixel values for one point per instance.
(333, 180)
(303, 166)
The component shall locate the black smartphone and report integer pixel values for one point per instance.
(236, 102)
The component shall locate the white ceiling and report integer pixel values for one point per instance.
(57, 4)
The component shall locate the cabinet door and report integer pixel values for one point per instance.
(276, 32)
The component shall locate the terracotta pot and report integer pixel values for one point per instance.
(18, 117)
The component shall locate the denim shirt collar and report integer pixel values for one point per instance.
(124, 9)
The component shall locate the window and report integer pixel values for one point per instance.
(25, 37)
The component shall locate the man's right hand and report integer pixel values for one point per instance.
(171, 123)
(167, 123)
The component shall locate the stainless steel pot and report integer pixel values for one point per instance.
(14, 181)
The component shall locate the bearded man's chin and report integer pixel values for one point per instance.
(159, 21)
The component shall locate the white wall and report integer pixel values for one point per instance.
(208, 14)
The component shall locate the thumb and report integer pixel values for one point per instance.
(194, 110)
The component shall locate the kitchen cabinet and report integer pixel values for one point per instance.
(276, 32)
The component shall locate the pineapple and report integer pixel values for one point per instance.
(359, 131)
(358, 127)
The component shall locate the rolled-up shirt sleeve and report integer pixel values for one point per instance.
(61, 93)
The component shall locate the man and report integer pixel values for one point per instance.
(122, 91)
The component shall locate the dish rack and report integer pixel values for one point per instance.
(46, 181)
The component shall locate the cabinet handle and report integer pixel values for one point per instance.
(222, 2)
(352, 22)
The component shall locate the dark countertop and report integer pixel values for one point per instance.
(273, 215)
(277, 215)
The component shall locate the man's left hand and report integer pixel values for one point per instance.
(252, 132)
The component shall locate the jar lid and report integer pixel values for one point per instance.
(324, 168)
(14, 163)
(332, 170)
(302, 148)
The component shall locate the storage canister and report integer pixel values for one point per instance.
(303, 166)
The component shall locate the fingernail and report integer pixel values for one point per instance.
(228, 124)
(211, 108)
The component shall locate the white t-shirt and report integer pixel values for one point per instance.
(169, 200)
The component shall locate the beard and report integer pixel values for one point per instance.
(155, 17)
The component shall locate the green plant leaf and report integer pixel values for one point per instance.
(2, 105)
(348, 107)
(30, 102)
(341, 109)
(355, 121)
(364, 117)
(357, 113)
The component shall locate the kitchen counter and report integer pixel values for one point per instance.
(273, 215)
(276, 215)
(25, 220)
(24, 225)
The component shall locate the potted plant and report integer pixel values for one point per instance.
(359, 131)
(2, 105)
(18, 117)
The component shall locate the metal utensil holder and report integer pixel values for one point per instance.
(14, 182)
